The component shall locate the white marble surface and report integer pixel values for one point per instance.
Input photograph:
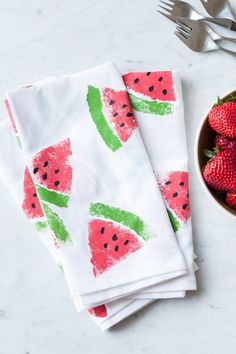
(41, 38)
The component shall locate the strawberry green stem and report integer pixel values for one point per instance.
(211, 153)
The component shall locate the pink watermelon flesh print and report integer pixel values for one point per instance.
(151, 92)
(156, 85)
(10, 115)
(52, 173)
(31, 204)
(113, 235)
(98, 311)
(109, 244)
(174, 188)
(112, 115)
(119, 112)
(51, 167)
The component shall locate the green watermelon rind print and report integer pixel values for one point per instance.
(58, 199)
(18, 141)
(41, 226)
(152, 107)
(174, 221)
(96, 110)
(126, 218)
(55, 224)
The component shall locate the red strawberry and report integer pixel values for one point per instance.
(230, 199)
(222, 118)
(225, 143)
(220, 172)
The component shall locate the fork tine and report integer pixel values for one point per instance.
(164, 8)
(184, 25)
(181, 31)
(168, 16)
(166, 3)
(183, 39)
(187, 30)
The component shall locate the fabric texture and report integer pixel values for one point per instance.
(121, 233)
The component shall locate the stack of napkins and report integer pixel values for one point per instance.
(98, 163)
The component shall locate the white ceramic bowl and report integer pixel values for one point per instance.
(205, 140)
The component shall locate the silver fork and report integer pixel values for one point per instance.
(196, 35)
(176, 8)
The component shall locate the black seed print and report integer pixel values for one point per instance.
(136, 81)
(45, 164)
(115, 114)
(160, 78)
(56, 171)
(151, 88)
(184, 206)
(164, 92)
(187, 195)
(175, 195)
(33, 205)
(111, 102)
(148, 73)
(114, 237)
(124, 105)
(45, 176)
(116, 248)
(102, 230)
(129, 114)
(35, 170)
(181, 183)
(105, 245)
(167, 183)
(57, 183)
(35, 195)
(122, 125)
(126, 242)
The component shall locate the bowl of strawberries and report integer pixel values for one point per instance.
(215, 153)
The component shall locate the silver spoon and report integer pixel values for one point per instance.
(218, 8)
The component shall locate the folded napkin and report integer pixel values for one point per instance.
(65, 136)
(156, 99)
(17, 179)
(82, 148)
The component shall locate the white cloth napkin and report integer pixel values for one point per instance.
(58, 122)
(145, 104)
(16, 177)
(156, 99)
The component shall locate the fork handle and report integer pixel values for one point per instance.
(226, 49)
(224, 22)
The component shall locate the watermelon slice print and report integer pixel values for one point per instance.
(174, 188)
(151, 92)
(31, 204)
(112, 114)
(113, 235)
(98, 311)
(32, 207)
(52, 173)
